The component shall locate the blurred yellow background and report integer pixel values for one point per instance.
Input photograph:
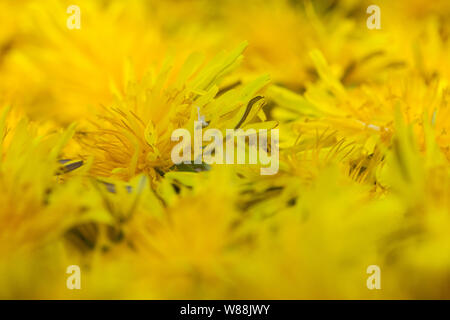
(86, 176)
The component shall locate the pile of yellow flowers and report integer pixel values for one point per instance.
(87, 180)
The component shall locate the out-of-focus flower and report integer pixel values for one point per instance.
(63, 74)
(362, 117)
(36, 209)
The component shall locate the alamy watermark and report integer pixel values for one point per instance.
(74, 280)
(374, 280)
(257, 148)
(74, 20)
(374, 20)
